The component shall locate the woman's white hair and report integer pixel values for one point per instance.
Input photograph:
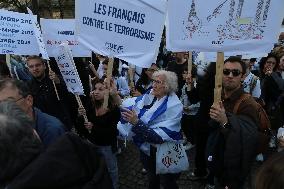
(171, 81)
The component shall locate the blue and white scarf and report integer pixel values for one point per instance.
(163, 117)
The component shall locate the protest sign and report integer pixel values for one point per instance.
(224, 25)
(17, 35)
(38, 36)
(127, 29)
(56, 31)
(68, 70)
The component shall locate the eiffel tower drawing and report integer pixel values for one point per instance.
(193, 23)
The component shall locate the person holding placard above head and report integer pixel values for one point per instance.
(44, 93)
(120, 82)
(203, 93)
(189, 113)
(102, 124)
(152, 121)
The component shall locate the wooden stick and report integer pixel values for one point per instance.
(93, 70)
(80, 104)
(218, 77)
(109, 75)
(131, 77)
(8, 62)
(189, 68)
(49, 68)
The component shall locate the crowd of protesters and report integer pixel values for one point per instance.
(46, 143)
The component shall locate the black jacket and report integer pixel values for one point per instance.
(70, 163)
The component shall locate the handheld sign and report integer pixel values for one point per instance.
(223, 25)
(17, 35)
(57, 31)
(68, 70)
(38, 36)
(130, 30)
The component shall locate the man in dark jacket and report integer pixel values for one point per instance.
(69, 163)
(237, 128)
(44, 94)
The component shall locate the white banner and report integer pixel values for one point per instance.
(242, 26)
(17, 35)
(56, 31)
(127, 29)
(38, 36)
(68, 70)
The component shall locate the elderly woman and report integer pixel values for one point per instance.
(153, 119)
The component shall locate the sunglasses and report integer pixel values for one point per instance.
(235, 72)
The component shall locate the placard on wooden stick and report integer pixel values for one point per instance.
(218, 77)
(109, 76)
(189, 67)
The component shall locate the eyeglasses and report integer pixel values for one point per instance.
(35, 65)
(13, 99)
(157, 81)
(152, 70)
(235, 72)
(20, 98)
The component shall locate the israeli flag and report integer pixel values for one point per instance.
(163, 117)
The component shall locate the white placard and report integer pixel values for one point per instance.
(38, 36)
(17, 35)
(68, 70)
(56, 31)
(240, 26)
(127, 29)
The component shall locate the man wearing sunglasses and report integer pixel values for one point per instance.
(238, 131)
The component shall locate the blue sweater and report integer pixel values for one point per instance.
(49, 128)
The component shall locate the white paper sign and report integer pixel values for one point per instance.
(38, 36)
(56, 31)
(240, 26)
(17, 34)
(127, 29)
(68, 70)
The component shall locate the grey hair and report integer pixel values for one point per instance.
(18, 142)
(171, 80)
(23, 87)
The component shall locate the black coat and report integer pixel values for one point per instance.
(70, 163)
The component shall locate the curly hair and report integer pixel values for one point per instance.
(171, 80)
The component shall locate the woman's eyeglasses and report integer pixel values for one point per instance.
(157, 81)
(235, 72)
